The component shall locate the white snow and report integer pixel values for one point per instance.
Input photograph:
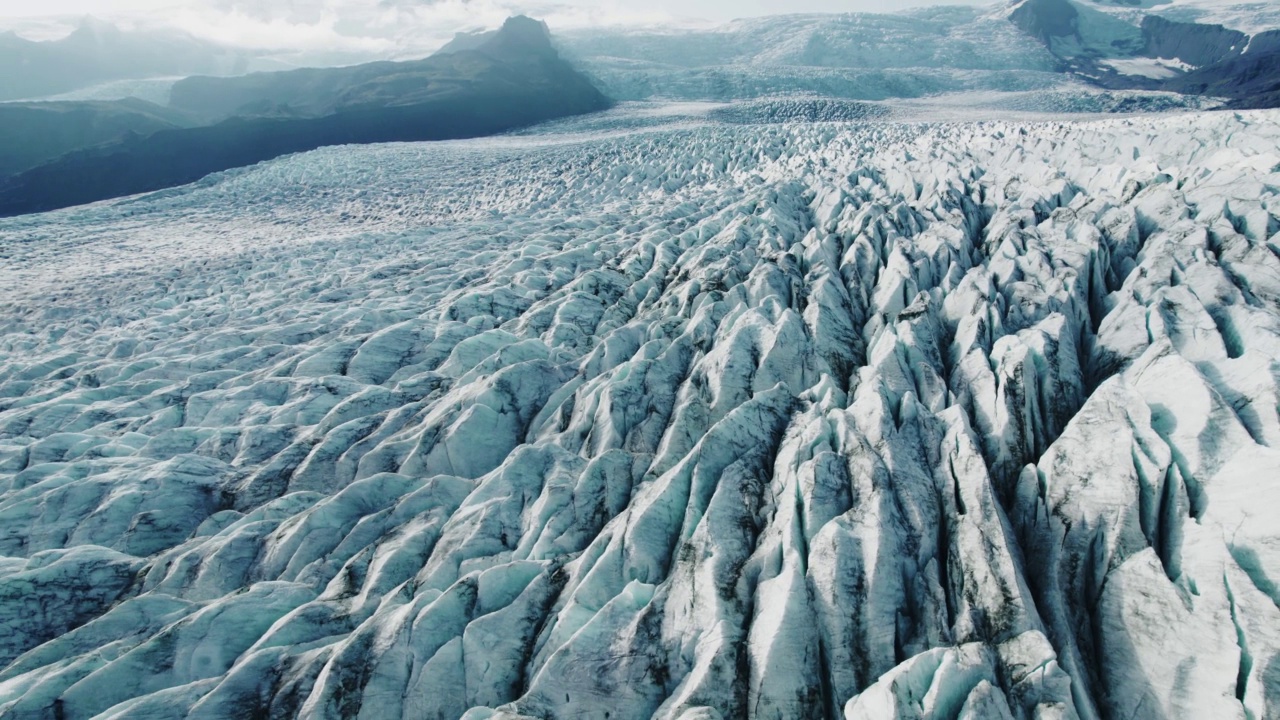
(653, 415)
(1156, 68)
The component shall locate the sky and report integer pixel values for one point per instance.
(708, 9)
(363, 29)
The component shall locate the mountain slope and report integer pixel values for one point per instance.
(1192, 43)
(36, 133)
(514, 80)
(956, 421)
(1251, 81)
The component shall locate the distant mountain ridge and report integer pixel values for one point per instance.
(97, 52)
(316, 92)
(515, 78)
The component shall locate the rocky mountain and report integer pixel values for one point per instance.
(519, 58)
(957, 421)
(514, 79)
(1144, 49)
(1251, 80)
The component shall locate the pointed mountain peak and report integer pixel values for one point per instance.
(526, 27)
(519, 33)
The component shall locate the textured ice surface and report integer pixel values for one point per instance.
(629, 419)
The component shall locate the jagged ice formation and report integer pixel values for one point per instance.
(863, 421)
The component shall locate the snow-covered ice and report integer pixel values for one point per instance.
(1155, 68)
(675, 414)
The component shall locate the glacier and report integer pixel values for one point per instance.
(661, 413)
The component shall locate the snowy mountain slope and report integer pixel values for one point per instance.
(1161, 46)
(788, 420)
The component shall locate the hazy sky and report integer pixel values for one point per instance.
(710, 9)
(396, 28)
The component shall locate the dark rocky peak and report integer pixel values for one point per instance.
(526, 30)
(1046, 19)
(519, 36)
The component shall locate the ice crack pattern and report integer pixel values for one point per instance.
(918, 420)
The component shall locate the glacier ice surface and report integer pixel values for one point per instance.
(674, 414)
